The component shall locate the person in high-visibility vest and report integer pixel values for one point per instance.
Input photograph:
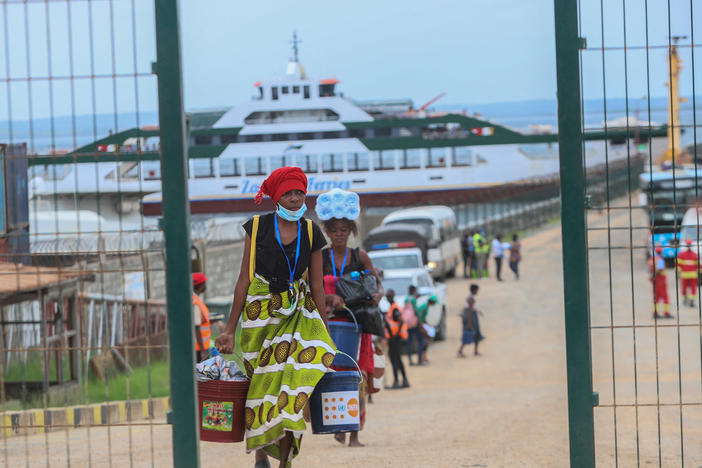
(396, 334)
(201, 317)
(482, 248)
(688, 266)
(656, 266)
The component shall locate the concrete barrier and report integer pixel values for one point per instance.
(37, 421)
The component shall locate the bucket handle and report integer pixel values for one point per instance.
(360, 373)
(354, 321)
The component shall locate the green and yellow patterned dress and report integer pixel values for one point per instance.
(286, 350)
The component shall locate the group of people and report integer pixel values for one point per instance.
(688, 266)
(286, 296)
(476, 252)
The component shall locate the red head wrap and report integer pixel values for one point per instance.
(280, 181)
(199, 278)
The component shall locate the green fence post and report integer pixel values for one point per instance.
(176, 227)
(575, 266)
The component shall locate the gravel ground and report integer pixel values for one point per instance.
(505, 408)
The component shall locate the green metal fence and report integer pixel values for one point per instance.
(91, 292)
(634, 378)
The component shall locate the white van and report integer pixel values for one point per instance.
(690, 228)
(444, 245)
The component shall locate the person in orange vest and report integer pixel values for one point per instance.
(656, 266)
(201, 317)
(688, 266)
(396, 334)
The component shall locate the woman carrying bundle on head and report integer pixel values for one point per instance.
(338, 210)
(285, 339)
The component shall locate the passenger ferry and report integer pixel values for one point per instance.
(386, 151)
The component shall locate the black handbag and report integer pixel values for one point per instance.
(357, 294)
(356, 291)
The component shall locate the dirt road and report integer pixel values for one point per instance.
(506, 408)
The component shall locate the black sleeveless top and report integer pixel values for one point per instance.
(270, 260)
(353, 262)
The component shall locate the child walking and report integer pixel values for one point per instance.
(471, 324)
(396, 334)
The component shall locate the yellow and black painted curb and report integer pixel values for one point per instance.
(36, 421)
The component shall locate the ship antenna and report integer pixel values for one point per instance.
(295, 41)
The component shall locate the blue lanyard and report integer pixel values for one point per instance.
(341, 273)
(297, 253)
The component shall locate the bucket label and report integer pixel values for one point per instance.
(217, 415)
(340, 408)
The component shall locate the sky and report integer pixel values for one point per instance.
(475, 51)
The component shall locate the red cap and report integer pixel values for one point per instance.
(199, 278)
(659, 249)
(280, 181)
(688, 241)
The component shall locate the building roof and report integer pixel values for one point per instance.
(19, 282)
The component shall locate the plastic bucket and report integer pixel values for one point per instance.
(335, 404)
(221, 411)
(347, 338)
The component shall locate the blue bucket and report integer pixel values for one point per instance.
(347, 338)
(335, 404)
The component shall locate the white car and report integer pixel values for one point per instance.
(400, 281)
(396, 259)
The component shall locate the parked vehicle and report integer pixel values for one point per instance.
(691, 229)
(666, 195)
(431, 229)
(397, 259)
(400, 281)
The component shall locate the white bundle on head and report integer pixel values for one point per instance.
(338, 203)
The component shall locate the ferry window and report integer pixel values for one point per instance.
(326, 90)
(226, 139)
(307, 162)
(296, 90)
(306, 136)
(260, 92)
(280, 137)
(412, 159)
(284, 89)
(203, 168)
(253, 138)
(462, 156)
(254, 165)
(357, 133)
(332, 134)
(383, 160)
(332, 162)
(274, 93)
(357, 161)
(203, 139)
(228, 167)
(437, 157)
(281, 161)
(306, 93)
(383, 132)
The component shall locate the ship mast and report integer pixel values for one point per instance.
(674, 153)
(295, 41)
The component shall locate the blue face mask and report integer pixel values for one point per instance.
(288, 215)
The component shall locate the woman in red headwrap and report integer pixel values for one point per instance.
(285, 340)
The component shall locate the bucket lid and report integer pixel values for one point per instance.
(348, 376)
(342, 324)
